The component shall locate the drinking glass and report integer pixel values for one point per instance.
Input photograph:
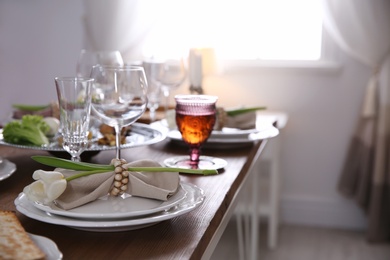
(74, 98)
(174, 73)
(87, 59)
(195, 119)
(119, 96)
(153, 72)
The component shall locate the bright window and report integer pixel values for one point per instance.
(242, 29)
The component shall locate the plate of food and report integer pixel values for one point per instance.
(42, 133)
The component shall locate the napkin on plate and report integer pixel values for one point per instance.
(240, 121)
(243, 121)
(153, 185)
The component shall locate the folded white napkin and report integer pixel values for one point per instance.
(153, 185)
(241, 121)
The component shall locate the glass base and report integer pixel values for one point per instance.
(205, 163)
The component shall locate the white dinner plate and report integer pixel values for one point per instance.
(232, 133)
(194, 198)
(7, 168)
(219, 140)
(116, 207)
(47, 246)
(140, 134)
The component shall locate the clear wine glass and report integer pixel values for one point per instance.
(195, 119)
(174, 73)
(119, 96)
(74, 98)
(153, 71)
(87, 59)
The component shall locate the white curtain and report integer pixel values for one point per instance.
(362, 29)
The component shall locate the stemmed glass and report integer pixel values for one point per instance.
(154, 72)
(74, 98)
(174, 73)
(87, 59)
(119, 96)
(195, 119)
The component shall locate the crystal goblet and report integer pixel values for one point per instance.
(195, 119)
(119, 96)
(74, 98)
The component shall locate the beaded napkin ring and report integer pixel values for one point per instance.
(121, 178)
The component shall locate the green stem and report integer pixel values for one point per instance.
(83, 174)
(169, 169)
(235, 112)
(30, 107)
(99, 168)
(66, 164)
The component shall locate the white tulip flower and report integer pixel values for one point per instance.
(49, 185)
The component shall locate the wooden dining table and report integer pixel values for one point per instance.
(193, 235)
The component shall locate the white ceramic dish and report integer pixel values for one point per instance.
(220, 140)
(111, 207)
(194, 198)
(232, 133)
(7, 168)
(47, 246)
(141, 134)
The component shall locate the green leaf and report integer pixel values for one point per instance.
(30, 107)
(171, 169)
(235, 112)
(98, 168)
(67, 164)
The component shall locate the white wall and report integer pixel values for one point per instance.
(42, 39)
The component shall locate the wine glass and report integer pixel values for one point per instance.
(153, 72)
(174, 73)
(74, 98)
(87, 59)
(195, 119)
(119, 96)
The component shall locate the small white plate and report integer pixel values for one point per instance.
(205, 162)
(7, 168)
(47, 246)
(232, 133)
(194, 198)
(112, 207)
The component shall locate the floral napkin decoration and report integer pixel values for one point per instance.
(73, 184)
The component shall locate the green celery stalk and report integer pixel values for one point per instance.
(30, 107)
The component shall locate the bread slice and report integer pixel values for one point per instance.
(15, 243)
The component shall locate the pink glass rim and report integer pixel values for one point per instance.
(196, 105)
(196, 99)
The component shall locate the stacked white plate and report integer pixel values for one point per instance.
(230, 137)
(111, 214)
(7, 168)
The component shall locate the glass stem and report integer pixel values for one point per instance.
(75, 158)
(166, 95)
(118, 129)
(194, 155)
(152, 115)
